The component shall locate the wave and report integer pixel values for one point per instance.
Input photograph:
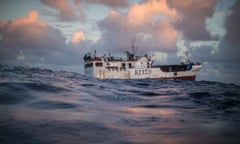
(46, 106)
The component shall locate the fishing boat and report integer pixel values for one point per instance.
(133, 66)
(137, 67)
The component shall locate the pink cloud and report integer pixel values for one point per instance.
(151, 22)
(67, 12)
(29, 32)
(78, 37)
(147, 12)
(31, 41)
(110, 3)
(72, 10)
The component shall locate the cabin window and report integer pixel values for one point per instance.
(98, 64)
(112, 68)
(175, 68)
(88, 65)
(123, 65)
(129, 65)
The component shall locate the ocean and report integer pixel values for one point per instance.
(41, 106)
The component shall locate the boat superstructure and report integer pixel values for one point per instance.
(137, 67)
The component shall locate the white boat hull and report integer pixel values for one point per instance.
(141, 73)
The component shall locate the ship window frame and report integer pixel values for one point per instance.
(88, 65)
(130, 65)
(123, 65)
(99, 64)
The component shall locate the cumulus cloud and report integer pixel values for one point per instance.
(110, 3)
(29, 32)
(78, 37)
(157, 25)
(221, 58)
(232, 24)
(30, 41)
(149, 22)
(193, 17)
(28, 35)
(72, 10)
(66, 11)
(148, 12)
(229, 48)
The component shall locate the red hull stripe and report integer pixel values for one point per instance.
(192, 78)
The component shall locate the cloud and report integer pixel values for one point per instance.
(229, 48)
(29, 32)
(221, 58)
(73, 10)
(30, 41)
(161, 27)
(148, 12)
(193, 17)
(149, 22)
(28, 38)
(109, 3)
(78, 37)
(232, 24)
(157, 24)
(66, 11)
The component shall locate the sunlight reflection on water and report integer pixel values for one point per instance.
(62, 107)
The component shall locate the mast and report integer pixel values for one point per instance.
(187, 61)
(133, 45)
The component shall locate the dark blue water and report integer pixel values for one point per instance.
(49, 107)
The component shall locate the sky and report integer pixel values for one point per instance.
(56, 34)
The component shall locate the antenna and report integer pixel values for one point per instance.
(187, 57)
(133, 46)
